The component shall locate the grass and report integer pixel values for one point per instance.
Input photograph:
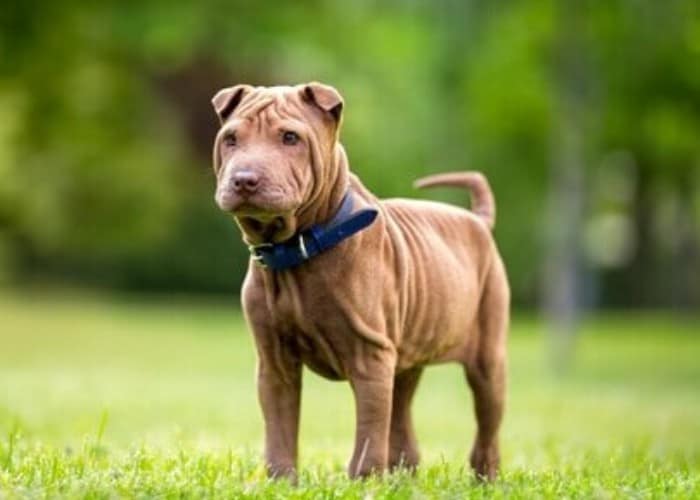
(148, 397)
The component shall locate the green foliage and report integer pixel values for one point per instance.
(105, 127)
(142, 397)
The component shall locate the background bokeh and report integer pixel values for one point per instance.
(584, 115)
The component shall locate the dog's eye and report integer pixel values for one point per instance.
(290, 138)
(229, 140)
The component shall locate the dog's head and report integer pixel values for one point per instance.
(276, 156)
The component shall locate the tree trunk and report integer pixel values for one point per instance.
(564, 221)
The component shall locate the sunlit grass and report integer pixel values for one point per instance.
(140, 396)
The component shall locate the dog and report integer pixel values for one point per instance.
(353, 287)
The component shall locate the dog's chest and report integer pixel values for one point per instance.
(313, 322)
(321, 317)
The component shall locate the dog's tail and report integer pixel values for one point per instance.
(483, 203)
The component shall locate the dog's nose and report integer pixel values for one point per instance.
(245, 181)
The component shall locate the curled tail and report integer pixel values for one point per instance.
(483, 203)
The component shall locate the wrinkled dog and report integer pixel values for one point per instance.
(356, 288)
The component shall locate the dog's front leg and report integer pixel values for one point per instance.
(373, 390)
(279, 391)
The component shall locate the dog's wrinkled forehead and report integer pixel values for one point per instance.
(266, 105)
(273, 100)
(316, 105)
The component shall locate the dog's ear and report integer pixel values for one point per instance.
(325, 97)
(226, 100)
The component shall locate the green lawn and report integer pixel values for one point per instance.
(155, 397)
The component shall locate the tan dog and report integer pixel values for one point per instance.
(422, 284)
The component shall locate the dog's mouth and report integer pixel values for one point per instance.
(261, 208)
(262, 212)
(263, 217)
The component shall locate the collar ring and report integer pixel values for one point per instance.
(302, 247)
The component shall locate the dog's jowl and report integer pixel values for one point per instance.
(356, 288)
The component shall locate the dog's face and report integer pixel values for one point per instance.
(273, 154)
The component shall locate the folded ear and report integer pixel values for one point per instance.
(226, 100)
(325, 97)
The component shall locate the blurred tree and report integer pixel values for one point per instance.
(105, 129)
(563, 271)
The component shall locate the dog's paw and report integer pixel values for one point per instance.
(360, 469)
(404, 459)
(485, 462)
(282, 471)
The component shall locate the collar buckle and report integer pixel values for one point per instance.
(256, 255)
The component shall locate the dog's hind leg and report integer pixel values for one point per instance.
(403, 448)
(485, 367)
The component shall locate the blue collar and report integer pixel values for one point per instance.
(315, 240)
